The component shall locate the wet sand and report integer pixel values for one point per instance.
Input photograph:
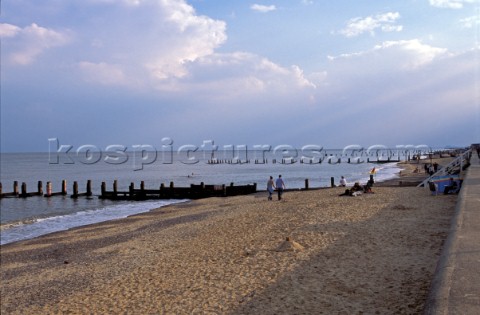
(373, 254)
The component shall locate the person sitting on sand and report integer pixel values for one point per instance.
(356, 187)
(343, 182)
(368, 187)
(354, 191)
(452, 186)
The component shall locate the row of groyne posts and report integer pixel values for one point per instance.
(330, 160)
(23, 193)
(376, 156)
(163, 192)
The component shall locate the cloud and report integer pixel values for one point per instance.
(262, 8)
(29, 42)
(470, 22)
(404, 54)
(450, 4)
(173, 50)
(385, 22)
(9, 30)
(240, 75)
(160, 40)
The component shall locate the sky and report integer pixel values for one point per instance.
(296, 72)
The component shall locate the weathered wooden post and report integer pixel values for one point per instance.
(162, 190)
(306, 183)
(224, 189)
(254, 187)
(131, 190)
(64, 187)
(24, 190)
(103, 190)
(49, 189)
(40, 188)
(75, 190)
(89, 187)
(332, 181)
(115, 187)
(172, 189)
(142, 189)
(202, 190)
(15, 188)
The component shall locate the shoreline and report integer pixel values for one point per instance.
(31, 227)
(386, 182)
(372, 253)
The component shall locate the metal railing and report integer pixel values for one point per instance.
(459, 162)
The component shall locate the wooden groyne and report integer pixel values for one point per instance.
(173, 192)
(142, 193)
(23, 192)
(329, 160)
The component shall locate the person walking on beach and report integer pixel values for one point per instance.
(270, 188)
(280, 186)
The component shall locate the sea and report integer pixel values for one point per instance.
(31, 217)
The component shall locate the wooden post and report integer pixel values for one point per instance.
(75, 190)
(162, 190)
(332, 181)
(131, 190)
(202, 188)
(49, 189)
(142, 189)
(1, 190)
(115, 187)
(224, 189)
(24, 190)
(64, 187)
(89, 187)
(40, 188)
(15, 188)
(103, 189)
(172, 189)
(254, 187)
(306, 183)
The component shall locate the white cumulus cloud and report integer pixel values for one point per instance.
(393, 55)
(470, 22)
(450, 4)
(25, 44)
(262, 8)
(160, 38)
(385, 22)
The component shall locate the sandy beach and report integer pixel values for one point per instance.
(371, 254)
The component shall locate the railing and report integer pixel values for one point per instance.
(459, 163)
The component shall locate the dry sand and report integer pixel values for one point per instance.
(372, 254)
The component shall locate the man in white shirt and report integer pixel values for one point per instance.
(280, 186)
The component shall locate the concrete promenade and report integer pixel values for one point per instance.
(456, 284)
